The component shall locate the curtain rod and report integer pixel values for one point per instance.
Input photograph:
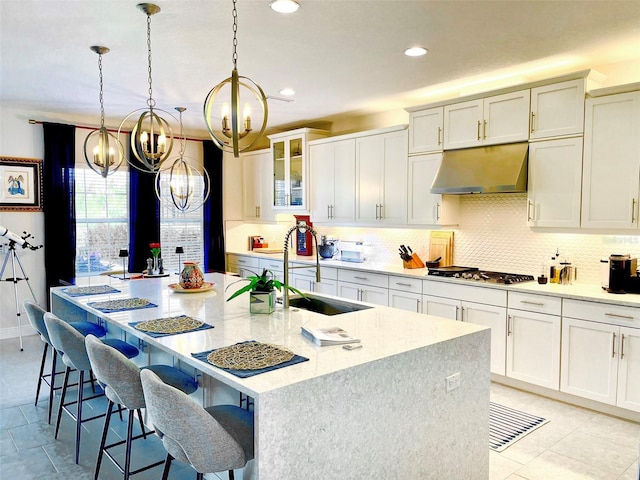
(84, 127)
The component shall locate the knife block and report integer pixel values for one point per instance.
(415, 262)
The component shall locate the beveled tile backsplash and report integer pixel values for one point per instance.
(492, 234)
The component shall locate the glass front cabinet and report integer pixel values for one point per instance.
(290, 155)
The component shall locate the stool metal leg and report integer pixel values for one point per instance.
(44, 359)
(127, 452)
(79, 414)
(105, 430)
(52, 379)
(167, 466)
(64, 393)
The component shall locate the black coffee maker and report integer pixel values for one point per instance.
(622, 274)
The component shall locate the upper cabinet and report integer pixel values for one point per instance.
(381, 178)
(289, 154)
(557, 109)
(426, 131)
(492, 120)
(333, 181)
(611, 165)
(257, 173)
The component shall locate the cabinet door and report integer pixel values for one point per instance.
(463, 124)
(589, 360)
(405, 301)
(533, 348)
(322, 173)
(377, 295)
(611, 166)
(557, 109)
(496, 319)
(425, 131)
(349, 290)
(629, 369)
(327, 287)
(423, 205)
(302, 283)
(506, 118)
(393, 201)
(344, 199)
(440, 307)
(251, 186)
(296, 174)
(555, 183)
(369, 171)
(280, 171)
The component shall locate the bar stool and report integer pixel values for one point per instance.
(211, 439)
(35, 314)
(69, 343)
(121, 378)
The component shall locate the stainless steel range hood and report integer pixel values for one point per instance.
(494, 169)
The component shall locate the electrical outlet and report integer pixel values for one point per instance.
(453, 381)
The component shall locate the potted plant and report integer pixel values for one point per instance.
(262, 291)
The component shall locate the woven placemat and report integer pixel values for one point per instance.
(92, 290)
(111, 306)
(161, 327)
(245, 358)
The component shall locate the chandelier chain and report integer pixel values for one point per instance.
(235, 38)
(101, 93)
(183, 138)
(151, 102)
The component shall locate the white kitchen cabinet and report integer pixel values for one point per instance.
(333, 181)
(305, 279)
(363, 286)
(381, 178)
(441, 307)
(290, 177)
(555, 183)
(557, 110)
(611, 165)
(257, 174)
(405, 293)
(533, 348)
(424, 207)
(243, 265)
(629, 369)
(275, 266)
(495, 318)
(492, 120)
(425, 131)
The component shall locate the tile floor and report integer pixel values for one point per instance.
(575, 444)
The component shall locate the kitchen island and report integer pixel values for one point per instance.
(383, 411)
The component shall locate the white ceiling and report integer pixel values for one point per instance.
(343, 57)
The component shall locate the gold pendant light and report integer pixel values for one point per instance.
(238, 93)
(151, 137)
(185, 183)
(101, 146)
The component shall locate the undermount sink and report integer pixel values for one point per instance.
(325, 306)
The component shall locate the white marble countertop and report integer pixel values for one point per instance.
(384, 331)
(576, 291)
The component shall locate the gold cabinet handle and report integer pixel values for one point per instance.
(508, 325)
(328, 211)
(613, 345)
(484, 130)
(533, 119)
(539, 304)
(478, 129)
(633, 210)
(616, 315)
(381, 206)
(529, 217)
(437, 211)
(622, 347)
(439, 132)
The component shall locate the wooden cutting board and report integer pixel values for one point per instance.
(441, 245)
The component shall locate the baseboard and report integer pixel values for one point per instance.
(12, 332)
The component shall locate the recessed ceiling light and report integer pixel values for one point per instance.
(415, 51)
(284, 6)
(287, 92)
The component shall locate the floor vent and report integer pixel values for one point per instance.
(507, 426)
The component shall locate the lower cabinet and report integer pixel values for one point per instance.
(363, 286)
(305, 279)
(405, 293)
(494, 317)
(244, 266)
(275, 266)
(441, 307)
(601, 362)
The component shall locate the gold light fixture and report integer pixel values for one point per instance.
(101, 146)
(186, 186)
(244, 93)
(151, 137)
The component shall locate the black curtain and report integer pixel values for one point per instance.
(58, 172)
(214, 260)
(144, 216)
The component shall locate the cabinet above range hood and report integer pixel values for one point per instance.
(492, 169)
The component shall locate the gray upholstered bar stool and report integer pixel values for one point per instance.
(121, 379)
(69, 343)
(212, 439)
(35, 314)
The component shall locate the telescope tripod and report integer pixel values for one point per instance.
(15, 280)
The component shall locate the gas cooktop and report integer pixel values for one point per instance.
(472, 273)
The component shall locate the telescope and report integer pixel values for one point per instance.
(17, 239)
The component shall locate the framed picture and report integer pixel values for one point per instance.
(21, 188)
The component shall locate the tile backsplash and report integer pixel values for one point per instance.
(492, 234)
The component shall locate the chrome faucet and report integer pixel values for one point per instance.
(287, 239)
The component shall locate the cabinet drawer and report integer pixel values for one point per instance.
(535, 303)
(273, 265)
(405, 284)
(469, 293)
(326, 273)
(243, 261)
(363, 278)
(601, 312)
